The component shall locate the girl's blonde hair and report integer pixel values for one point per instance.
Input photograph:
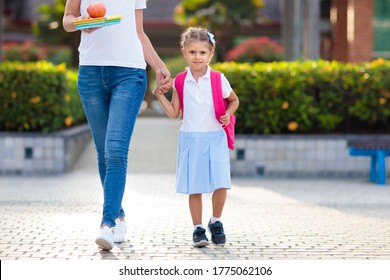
(196, 34)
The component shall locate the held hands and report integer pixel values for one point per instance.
(163, 75)
(225, 119)
(162, 88)
(163, 81)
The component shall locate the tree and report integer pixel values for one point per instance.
(48, 28)
(1, 28)
(221, 17)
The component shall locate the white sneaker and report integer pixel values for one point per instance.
(105, 238)
(120, 231)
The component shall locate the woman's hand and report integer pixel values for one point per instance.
(163, 75)
(89, 30)
(163, 80)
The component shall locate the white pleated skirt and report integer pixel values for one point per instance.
(203, 162)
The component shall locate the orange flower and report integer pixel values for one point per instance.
(285, 105)
(68, 121)
(61, 67)
(382, 101)
(67, 98)
(292, 126)
(35, 100)
(379, 61)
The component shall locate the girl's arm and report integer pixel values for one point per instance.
(233, 103)
(151, 56)
(72, 11)
(171, 108)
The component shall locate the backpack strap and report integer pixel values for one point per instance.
(220, 105)
(218, 100)
(179, 86)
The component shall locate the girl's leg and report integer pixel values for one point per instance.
(195, 203)
(215, 226)
(198, 236)
(218, 200)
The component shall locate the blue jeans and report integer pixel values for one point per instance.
(111, 98)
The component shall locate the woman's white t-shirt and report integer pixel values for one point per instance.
(115, 45)
(199, 113)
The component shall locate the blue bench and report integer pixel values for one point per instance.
(377, 150)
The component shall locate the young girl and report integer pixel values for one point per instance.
(203, 164)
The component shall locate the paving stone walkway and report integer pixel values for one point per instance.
(57, 217)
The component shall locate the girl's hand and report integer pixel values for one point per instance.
(167, 86)
(225, 119)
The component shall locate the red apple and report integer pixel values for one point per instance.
(96, 10)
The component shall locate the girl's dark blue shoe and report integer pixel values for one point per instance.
(200, 238)
(217, 234)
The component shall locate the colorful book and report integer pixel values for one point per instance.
(96, 22)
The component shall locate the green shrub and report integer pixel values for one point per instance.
(26, 51)
(32, 51)
(256, 49)
(175, 64)
(38, 96)
(74, 109)
(277, 97)
(311, 96)
(60, 55)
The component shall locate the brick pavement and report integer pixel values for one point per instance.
(57, 217)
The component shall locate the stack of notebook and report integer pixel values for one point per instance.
(96, 22)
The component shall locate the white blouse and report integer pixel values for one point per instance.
(199, 114)
(115, 45)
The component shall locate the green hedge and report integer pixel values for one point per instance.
(278, 97)
(311, 96)
(38, 96)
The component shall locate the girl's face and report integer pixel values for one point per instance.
(198, 55)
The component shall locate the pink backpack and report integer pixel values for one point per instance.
(220, 104)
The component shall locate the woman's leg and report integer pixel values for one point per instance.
(96, 101)
(127, 86)
(111, 98)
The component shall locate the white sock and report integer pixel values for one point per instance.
(215, 219)
(196, 226)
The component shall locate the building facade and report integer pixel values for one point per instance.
(347, 30)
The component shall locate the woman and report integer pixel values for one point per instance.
(112, 84)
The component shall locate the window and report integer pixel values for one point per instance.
(382, 28)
